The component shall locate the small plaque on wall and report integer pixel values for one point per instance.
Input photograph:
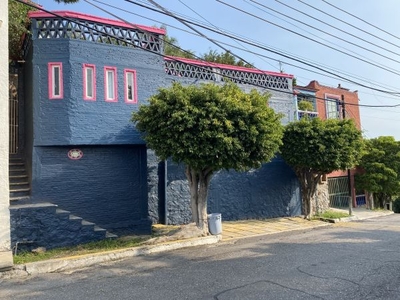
(75, 154)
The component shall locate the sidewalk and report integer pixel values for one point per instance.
(231, 230)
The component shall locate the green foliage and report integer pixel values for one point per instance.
(18, 22)
(313, 147)
(305, 105)
(171, 47)
(210, 126)
(322, 146)
(331, 214)
(224, 58)
(381, 163)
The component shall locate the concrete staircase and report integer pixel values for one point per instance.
(45, 225)
(19, 182)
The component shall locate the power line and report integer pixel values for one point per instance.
(337, 28)
(271, 50)
(192, 10)
(252, 52)
(177, 59)
(360, 19)
(306, 37)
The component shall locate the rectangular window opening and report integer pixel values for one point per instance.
(130, 86)
(110, 84)
(55, 80)
(89, 82)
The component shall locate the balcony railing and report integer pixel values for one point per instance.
(308, 114)
(190, 68)
(72, 25)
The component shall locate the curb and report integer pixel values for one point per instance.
(355, 218)
(87, 260)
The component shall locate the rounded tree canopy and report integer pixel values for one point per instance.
(322, 146)
(210, 126)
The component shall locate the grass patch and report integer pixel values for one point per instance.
(331, 214)
(24, 257)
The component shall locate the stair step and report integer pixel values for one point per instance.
(19, 198)
(18, 176)
(87, 223)
(62, 211)
(19, 190)
(16, 164)
(110, 235)
(19, 183)
(73, 217)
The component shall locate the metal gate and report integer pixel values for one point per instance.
(338, 189)
(13, 113)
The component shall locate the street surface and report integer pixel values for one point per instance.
(356, 260)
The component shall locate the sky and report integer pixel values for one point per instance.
(361, 40)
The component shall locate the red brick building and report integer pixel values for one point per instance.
(328, 104)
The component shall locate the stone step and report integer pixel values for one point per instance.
(19, 185)
(19, 192)
(19, 199)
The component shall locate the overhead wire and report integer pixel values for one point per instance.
(176, 58)
(272, 51)
(337, 28)
(361, 19)
(256, 53)
(309, 38)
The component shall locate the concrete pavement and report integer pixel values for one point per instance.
(231, 230)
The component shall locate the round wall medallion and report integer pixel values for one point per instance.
(75, 154)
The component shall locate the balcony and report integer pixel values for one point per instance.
(307, 114)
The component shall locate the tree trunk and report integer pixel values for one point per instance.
(308, 183)
(199, 182)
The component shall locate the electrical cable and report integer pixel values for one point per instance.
(177, 59)
(256, 53)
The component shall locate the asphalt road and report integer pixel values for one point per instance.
(357, 260)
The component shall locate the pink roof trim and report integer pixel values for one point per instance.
(223, 66)
(77, 15)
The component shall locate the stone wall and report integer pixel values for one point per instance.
(320, 202)
(268, 192)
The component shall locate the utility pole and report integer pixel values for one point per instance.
(348, 170)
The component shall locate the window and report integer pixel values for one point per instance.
(307, 98)
(130, 86)
(110, 84)
(332, 104)
(89, 82)
(55, 80)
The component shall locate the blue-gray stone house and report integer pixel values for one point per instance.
(79, 171)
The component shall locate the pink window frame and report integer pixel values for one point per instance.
(114, 70)
(50, 68)
(126, 72)
(84, 68)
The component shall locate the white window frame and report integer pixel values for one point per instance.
(130, 82)
(55, 85)
(86, 80)
(110, 87)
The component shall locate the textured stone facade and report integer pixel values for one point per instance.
(320, 201)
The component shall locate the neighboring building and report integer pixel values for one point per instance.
(328, 104)
(80, 171)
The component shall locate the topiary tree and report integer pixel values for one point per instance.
(314, 147)
(381, 163)
(209, 128)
